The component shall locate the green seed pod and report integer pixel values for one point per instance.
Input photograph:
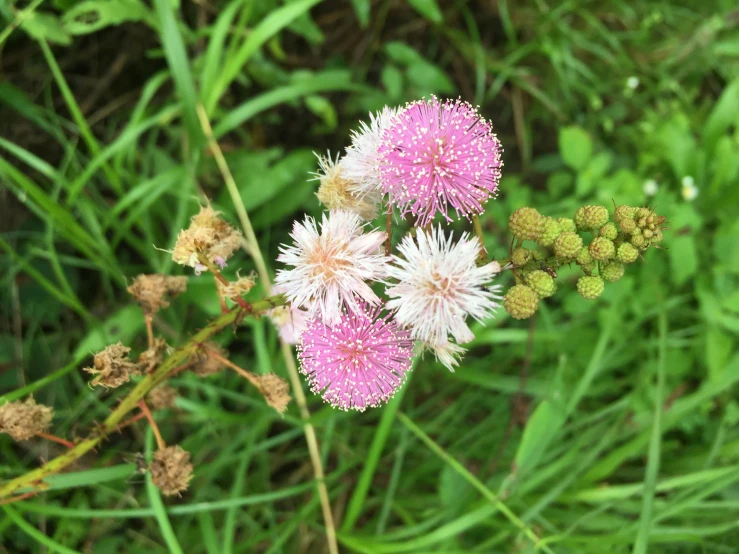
(648, 233)
(542, 283)
(590, 287)
(567, 224)
(521, 302)
(588, 268)
(643, 213)
(550, 230)
(639, 241)
(525, 223)
(567, 245)
(591, 217)
(520, 257)
(602, 249)
(584, 257)
(627, 253)
(612, 271)
(608, 231)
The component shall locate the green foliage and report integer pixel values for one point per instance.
(612, 430)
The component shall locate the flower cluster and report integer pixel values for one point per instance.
(355, 344)
(612, 246)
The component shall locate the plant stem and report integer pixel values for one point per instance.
(154, 427)
(478, 231)
(256, 253)
(54, 438)
(217, 274)
(228, 363)
(149, 331)
(35, 477)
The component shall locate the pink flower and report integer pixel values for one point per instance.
(290, 321)
(435, 156)
(357, 363)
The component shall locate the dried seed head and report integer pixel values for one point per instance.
(275, 391)
(23, 420)
(207, 365)
(171, 470)
(336, 191)
(208, 235)
(162, 397)
(237, 288)
(150, 291)
(152, 357)
(112, 366)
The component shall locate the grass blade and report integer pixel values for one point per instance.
(157, 505)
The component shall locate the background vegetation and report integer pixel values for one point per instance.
(608, 426)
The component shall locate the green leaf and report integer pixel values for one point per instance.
(121, 326)
(428, 9)
(724, 114)
(575, 146)
(541, 428)
(46, 26)
(392, 80)
(683, 258)
(362, 11)
(93, 15)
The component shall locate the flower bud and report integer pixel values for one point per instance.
(205, 365)
(588, 268)
(590, 288)
(567, 224)
(627, 225)
(567, 245)
(550, 230)
(627, 253)
(525, 223)
(612, 271)
(591, 217)
(275, 391)
(624, 212)
(171, 470)
(520, 257)
(608, 231)
(521, 302)
(161, 397)
(584, 257)
(643, 213)
(542, 283)
(639, 241)
(602, 249)
(150, 291)
(112, 366)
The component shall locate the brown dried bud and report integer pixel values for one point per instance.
(171, 470)
(236, 288)
(208, 235)
(150, 291)
(204, 364)
(149, 359)
(162, 397)
(112, 366)
(23, 420)
(275, 390)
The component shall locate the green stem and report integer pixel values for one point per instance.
(478, 231)
(34, 478)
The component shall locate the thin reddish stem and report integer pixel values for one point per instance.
(249, 376)
(12, 499)
(217, 274)
(154, 427)
(56, 439)
(149, 330)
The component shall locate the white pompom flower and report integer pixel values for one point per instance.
(361, 163)
(437, 286)
(331, 269)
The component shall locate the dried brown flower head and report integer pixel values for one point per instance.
(150, 291)
(162, 397)
(171, 470)
(336, 192)
(204, 364)
(275, 390)
(237, 288)
(112, 366)
(209, 235)
(23, 420)
(150, 358)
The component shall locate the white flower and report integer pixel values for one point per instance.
(448, 354)
(650, 187)
(632, 82)
(439, 285)
(330, 268)
(361, 163)
(336, 192)
(290, 321)
(690, 191)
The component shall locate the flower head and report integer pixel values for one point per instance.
(171, 470)
(650, 187)
(336, 191)
(112, 367)
(208, 235)
(362, 161)
(290, 321)
(439, 285)
(329, 269)
(437, 155)
(357, 363)
(150, 291)
(23, 420)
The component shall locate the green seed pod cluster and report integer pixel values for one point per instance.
(550, 230)
(525, 223)
(521, 301)
(590, 288)
(542, 283)
(521, 256)
(641, 227)
(591, 217)
(567, 245)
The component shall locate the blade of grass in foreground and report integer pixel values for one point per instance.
(35, 534)
(474, 481)
(655, 445)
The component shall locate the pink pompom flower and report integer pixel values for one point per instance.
(435, 156)
(357, 363)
